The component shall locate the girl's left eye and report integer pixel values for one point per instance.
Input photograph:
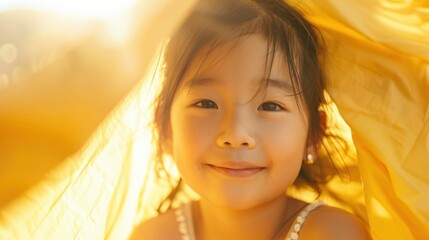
(206, 104)
(270, 106)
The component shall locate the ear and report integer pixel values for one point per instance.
(316, 143)
(323, 126)
(163, 126)
(167, 145)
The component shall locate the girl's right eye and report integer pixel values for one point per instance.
(206, 104)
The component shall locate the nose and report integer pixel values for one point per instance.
(236, 132)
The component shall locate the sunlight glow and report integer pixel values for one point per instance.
(84, 9)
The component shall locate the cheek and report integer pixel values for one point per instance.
(191, 136)
(285, 149)
(286, 142)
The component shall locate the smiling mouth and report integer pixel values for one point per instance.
(237, 172)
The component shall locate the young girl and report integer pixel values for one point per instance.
(240, 114)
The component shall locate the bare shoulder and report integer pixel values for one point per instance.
(333, 223)
(163, 226)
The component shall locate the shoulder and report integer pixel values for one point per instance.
(163, 226)
(333, 223)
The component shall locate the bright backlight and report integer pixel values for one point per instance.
(85, 9)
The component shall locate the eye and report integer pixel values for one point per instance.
(270, 106)
(206, 104)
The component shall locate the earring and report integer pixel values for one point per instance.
(310, 159)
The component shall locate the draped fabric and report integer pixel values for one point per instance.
(379, 73)
(104, 189)
(378, 69)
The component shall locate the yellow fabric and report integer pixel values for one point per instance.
(98, 192)
(379, 70)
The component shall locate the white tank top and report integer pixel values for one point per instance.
(186, 224)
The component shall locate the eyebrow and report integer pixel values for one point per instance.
(283, 85)
(197, 82)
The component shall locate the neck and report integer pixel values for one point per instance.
(261, 222)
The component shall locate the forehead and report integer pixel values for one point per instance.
(248, 59)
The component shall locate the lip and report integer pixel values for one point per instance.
(236, 169)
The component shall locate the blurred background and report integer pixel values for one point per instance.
(72, 99)
(63, 66)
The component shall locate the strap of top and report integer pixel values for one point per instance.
(185, 220)
(294, 230)
(186, 225)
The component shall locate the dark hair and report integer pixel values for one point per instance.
(213, 22)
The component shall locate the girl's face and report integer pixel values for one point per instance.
(237, 149)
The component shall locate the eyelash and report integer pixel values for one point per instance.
(209, 104)
(271, 104)
(203, 104)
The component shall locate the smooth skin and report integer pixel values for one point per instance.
(240, 149)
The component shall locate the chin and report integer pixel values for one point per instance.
(237, 201)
